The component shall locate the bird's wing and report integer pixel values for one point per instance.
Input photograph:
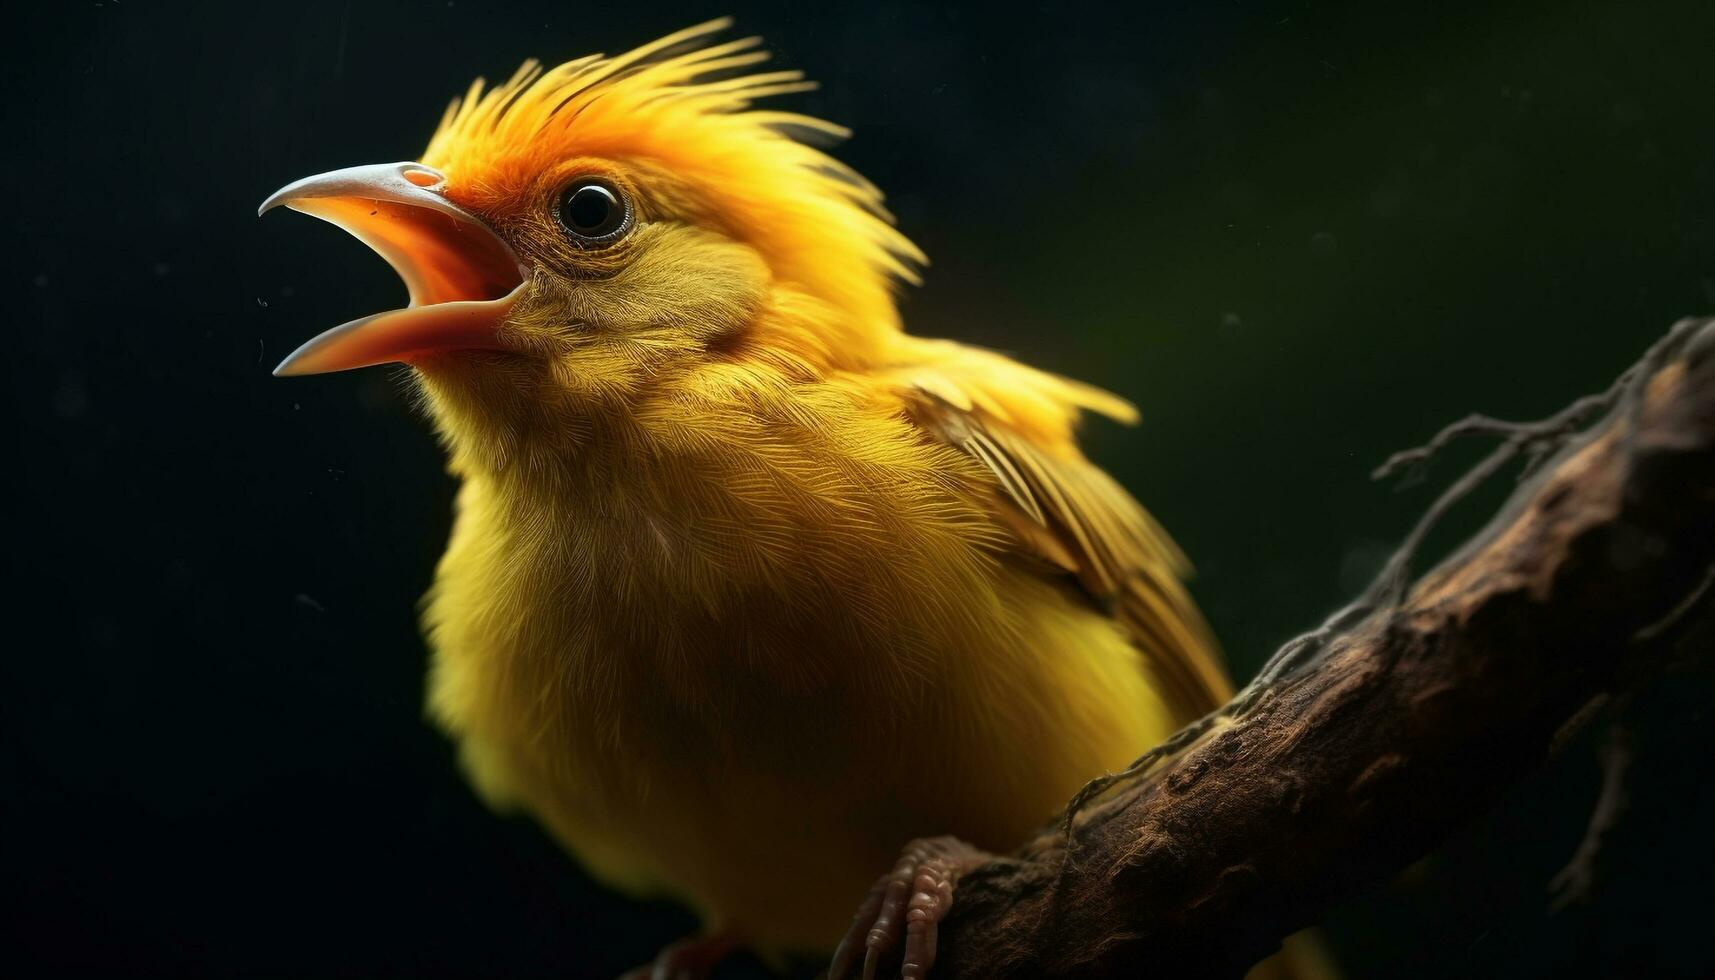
(1064, 511)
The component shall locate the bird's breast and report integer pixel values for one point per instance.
(777, 663)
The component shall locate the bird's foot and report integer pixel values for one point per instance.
(691, 958)
(912, 899)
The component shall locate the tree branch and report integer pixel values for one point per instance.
(1362, 745)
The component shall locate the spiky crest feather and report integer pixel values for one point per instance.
(686, 103)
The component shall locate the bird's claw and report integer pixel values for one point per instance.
(911, 900)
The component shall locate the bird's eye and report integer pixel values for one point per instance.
(594, 213)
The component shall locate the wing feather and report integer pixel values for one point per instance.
(1075, 520)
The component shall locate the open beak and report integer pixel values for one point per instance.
(462, 278)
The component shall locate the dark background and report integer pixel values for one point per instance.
(1299, 235)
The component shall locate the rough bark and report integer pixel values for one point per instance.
(1366, 743)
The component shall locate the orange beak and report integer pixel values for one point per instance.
(462, 278)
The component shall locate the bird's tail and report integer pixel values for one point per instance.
(1303, 956)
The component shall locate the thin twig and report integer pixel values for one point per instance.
(1576, 882)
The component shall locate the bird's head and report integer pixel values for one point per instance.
(574, 236)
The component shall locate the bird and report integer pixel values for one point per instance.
(747, 587)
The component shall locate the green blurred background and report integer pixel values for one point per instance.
(1300, 236)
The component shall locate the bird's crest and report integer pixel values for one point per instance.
(687, 103)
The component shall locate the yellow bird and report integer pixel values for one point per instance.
(748, 587)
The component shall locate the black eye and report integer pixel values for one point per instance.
(594, 213)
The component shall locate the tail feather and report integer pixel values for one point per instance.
(1303, 956)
